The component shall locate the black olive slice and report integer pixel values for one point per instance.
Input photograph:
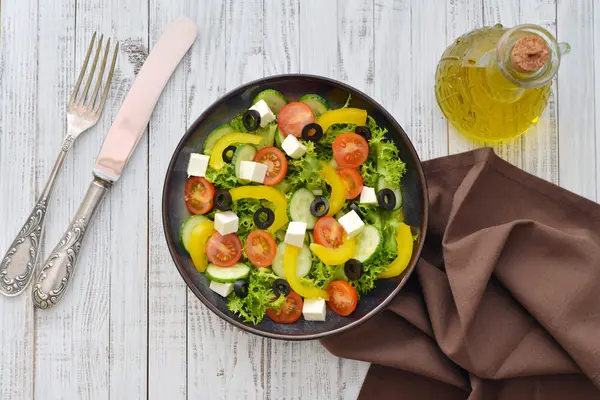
(241, 288)
(264, 218)
(228, 153)
(356, 210)
(251, 120)
(353, 269)
(364, 132)
(223, 200)
(386, 199)
(312, 131)
(281, 287)
(319, 206)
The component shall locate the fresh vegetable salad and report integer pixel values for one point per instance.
(296, 208)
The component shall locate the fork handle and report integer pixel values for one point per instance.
(57, 272)
(18, 265)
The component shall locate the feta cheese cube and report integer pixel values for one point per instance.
(197, 165)
(266, 115)
(314, 309)
(351, 223)
(253, 171)
(368, 195)
(295, 233)
(226, 222)
(293, 147)
(223, 289)
(318, 192)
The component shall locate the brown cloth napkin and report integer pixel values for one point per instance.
(505, 300)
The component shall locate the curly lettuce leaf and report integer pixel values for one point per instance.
(368, 172)
(305, 171)
(253, 307)
(238, 124)
(245, 209)
(384, 153)
(224, 178)
(320, 274)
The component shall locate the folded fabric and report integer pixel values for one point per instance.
(505, 300)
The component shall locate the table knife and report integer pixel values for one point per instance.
(56, 273)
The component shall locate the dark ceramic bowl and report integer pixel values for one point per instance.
(414, 193)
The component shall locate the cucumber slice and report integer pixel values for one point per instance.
(279, 138)
(299, 207)
(368, 244)
(187, 227)
(303, 265)
(215, 135)
(283, 186)
(244, 152)
(275, 100)
(268, 135)
(382, 183)
(227, 274)
(317, 104)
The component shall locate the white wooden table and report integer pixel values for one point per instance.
(128, 327)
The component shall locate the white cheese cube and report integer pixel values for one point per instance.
(318, 192)
(223, 289)
(295, 233)
(351, 223)
(314, 309)
(197, 165)
(368, 195)
(266, 115)
(293, 147)
(226, 222)
(253, 171)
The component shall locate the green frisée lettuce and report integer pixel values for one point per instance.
(237, 123)
(224, 178)
(245, 210)
(253, 307)
(385, 154)
(320, 274)
(304, 171)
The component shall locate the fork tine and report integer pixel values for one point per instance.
(92, 70)
(92, 101)
(82, 73)
(108, 80)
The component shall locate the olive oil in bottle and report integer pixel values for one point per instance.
(494, 83)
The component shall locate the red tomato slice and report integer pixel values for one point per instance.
(276, 163)
(224, 251)
(289, 312)
(343, 298)
(260, 248)
(350, 150)
(199, 195)
(328, 232)
(352, 180)
(294, 117)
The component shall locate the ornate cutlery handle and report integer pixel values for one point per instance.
(57, 272)
(18, 265)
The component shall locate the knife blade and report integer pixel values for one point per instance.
(134, 114)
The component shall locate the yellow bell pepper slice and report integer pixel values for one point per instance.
(268, 193)
(290, 258)
(216, 156)
(404, 243)
(342, 116)
(338, 190)
(197, 245)
(336, 256)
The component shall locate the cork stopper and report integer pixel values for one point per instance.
(529, 54)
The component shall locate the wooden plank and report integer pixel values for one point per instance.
(18, 128)
(540, 143)
(427, 41)
(318, 56)
(281, 37)
(597, 92)
(167, 293)
(576, 126)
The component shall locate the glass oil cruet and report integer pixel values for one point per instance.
(493, 83)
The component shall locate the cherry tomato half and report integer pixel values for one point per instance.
(276, 163)
(350, 150)
(294, 117)
(199, 195)
(224, 251)
(328, 232)
(289, 312)
(343, 298)
(352, 181)
(260, 248)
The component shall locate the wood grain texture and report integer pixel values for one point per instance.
(597, 93)
(577, 136)
(18, 128)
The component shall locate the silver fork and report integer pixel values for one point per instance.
(83, 111)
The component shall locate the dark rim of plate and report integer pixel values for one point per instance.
(264, 82)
